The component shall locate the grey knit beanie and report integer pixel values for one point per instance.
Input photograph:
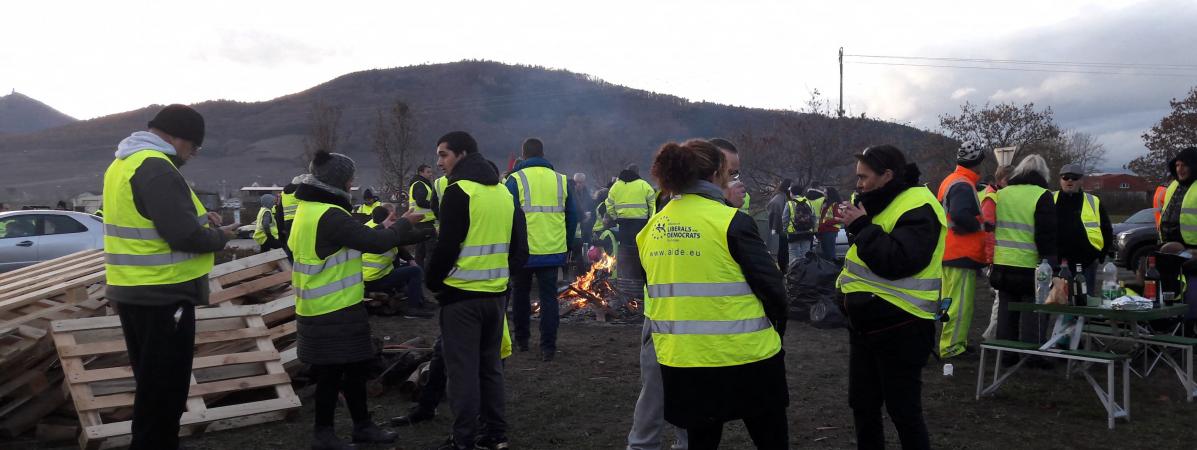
(333, 169)
(266, 200)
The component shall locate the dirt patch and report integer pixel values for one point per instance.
(584, 399)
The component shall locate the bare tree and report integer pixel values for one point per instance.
(395, 141)
(1007, 125)
(1077, 147)
(1166, 138)
(323, 130)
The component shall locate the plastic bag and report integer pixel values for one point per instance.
(1059, 294)
(808, 281)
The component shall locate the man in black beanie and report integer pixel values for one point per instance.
(159, 243)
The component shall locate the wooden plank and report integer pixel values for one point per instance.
(211, 415)
(282, 331)
(63, 275)
(249, 287)
(50, 265)
(71, 306)
(92, 323)
(247, 262)
(245, 274)
(109, 347)
(51, 291)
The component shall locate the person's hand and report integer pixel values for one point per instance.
(413, 217)
(214, 218)
(230, 231)
(849, 213)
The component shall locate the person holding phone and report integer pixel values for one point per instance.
(891, 282)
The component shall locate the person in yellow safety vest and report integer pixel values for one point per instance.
(964, 253)
(369, 202)
(630, 201)
(1024, 235)
(422, 198)
(4, 225)
(266, 229)
(333, 325)
(1178, 221)
(99, 211)
(547, 199)
(648, 419)
(1082, 226)
(891, 284)
(715, 309)
(284, 213)
(829, 229)
(483, 238)
(394, 269)
(158, 251)
(801, 221)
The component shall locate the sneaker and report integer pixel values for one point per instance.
(370, 433)
(491, 443)
(414, 416)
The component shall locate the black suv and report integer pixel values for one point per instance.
(1134, 238)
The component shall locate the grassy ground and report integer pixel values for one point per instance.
(584, 400)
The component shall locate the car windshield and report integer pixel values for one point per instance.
(1143, 216)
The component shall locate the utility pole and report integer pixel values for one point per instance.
(840, 112)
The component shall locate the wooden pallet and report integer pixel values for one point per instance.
(88, 347)
(242, 280)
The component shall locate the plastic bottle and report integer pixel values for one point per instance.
(1109, 282)
(1043, 281)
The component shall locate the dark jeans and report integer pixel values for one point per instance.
(768, 431)
(1018, 326)
(546, 283)
(886, 368)
(160, 351)
(348, 379)
(827, 244)
(783, 253)
(629, 228)
(471, 333)
(410, 278)
(434, 391)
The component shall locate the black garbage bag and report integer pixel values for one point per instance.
(809, 280)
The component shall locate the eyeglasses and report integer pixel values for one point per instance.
(735, 175)
(1070, 177)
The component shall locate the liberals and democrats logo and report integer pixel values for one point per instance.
(666, 229)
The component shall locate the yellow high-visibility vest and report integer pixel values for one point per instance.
(700, 309)
(542, 196)
(1014, 232)
(429, 216)
(1188, 213)
(322, 285)
(917, 294)
(260, 231)
(134, 253)
(482, 264)
(634, 200)
(288, 203)
(1090, 218)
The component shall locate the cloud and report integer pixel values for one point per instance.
(1116, 108)
(257, 48)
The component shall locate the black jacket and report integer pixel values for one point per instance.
(455, 224)
(1021, 280)
(419, 190)
(1073, 241)
(907, 249)
(1170, 216)
(162, 195)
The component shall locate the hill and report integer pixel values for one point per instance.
(586, 124)
(21, 114)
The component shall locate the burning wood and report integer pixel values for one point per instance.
(593, 290)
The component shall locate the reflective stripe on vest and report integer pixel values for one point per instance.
(429, 216)
(378, 265)
(917, 294)
(1188, 213)
(289, 204)
(632, 200)
(792, 207)
(439, 185)
(259, 232)
(482, 265)
(322, 285)
(1090, 218)
(700, 309)
(542, 197)
(134, 253)
(970, 246)
(1014, 232)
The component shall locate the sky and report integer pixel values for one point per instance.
(90, 59)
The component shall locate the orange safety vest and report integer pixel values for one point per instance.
(1157, 202)
(957, 246)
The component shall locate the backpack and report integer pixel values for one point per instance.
(803, 217)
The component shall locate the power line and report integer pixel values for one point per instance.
(1025, 69)
(1155, 66)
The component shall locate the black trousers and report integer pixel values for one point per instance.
(424, 248)
(521, 309)
(160, 351)
(768, 431)
(471, 333)
(1020, 326)
(348, 379)
(886, 368)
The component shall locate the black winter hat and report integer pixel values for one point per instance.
(182, 122)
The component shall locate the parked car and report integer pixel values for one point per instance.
(1134, 238)
(31, 236)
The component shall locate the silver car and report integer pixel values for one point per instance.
(29, 237)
